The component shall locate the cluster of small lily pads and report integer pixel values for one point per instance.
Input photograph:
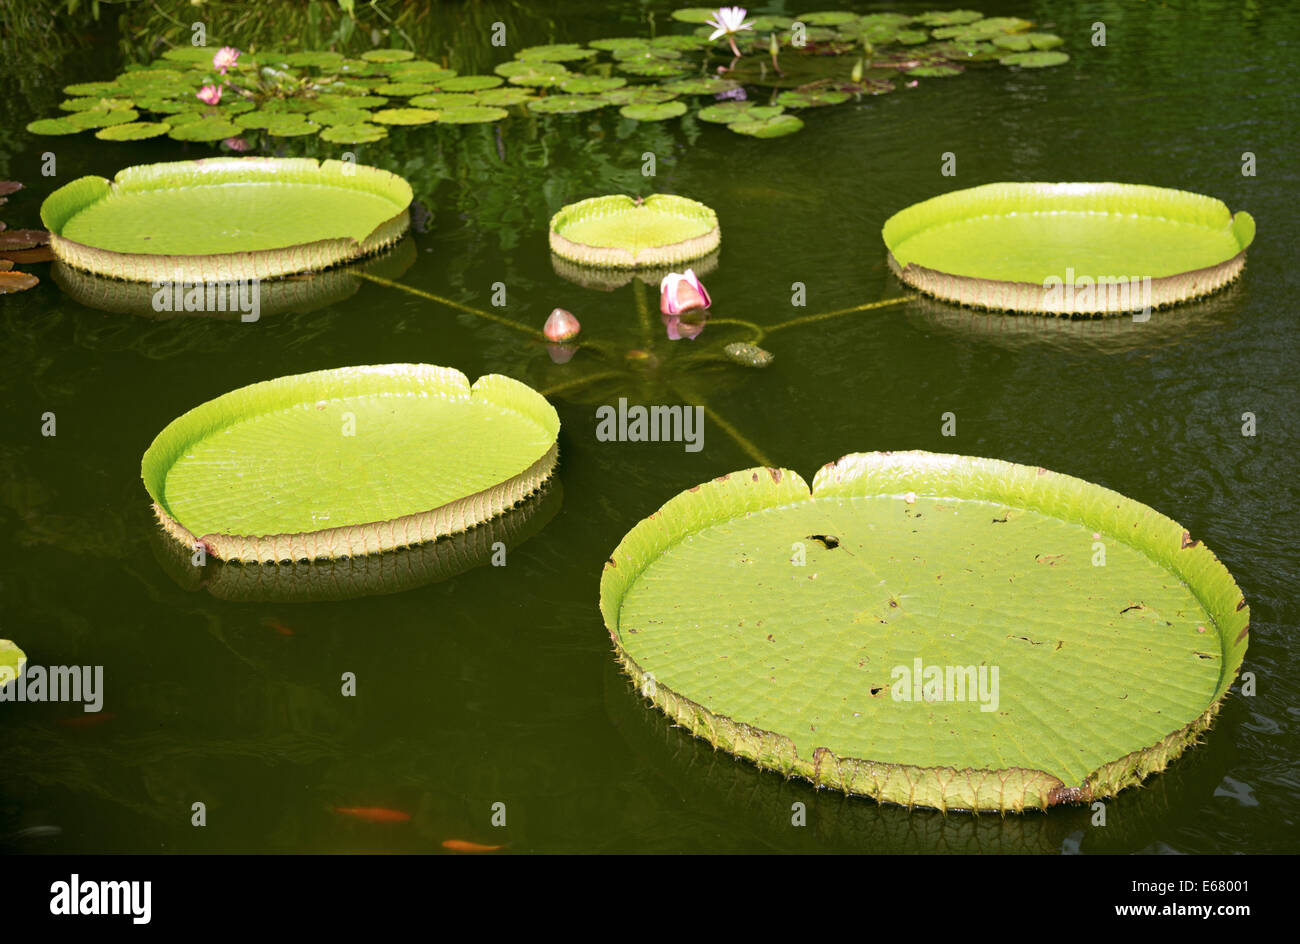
(818, 59)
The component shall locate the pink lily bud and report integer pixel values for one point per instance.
(225, 58)
(679, 293)
(561, 326)
(209, 94)
(561, 353)
(236, 144)
(687, 325)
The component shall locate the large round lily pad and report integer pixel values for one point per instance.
(929, 630)
(357, 460)
(225, 218)
(1068, 248)
(620, 232)
(12, 661)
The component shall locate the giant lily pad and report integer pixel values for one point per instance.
(218, 218)
(1068, 248)
(12, 661)
(928, 630)
(339, 463)
(620, 232)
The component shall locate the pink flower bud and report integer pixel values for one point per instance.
(679, 293)
(561, 326)
(209, 94)
(225, 58)
(236, 144)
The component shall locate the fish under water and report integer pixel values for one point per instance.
(464, 845)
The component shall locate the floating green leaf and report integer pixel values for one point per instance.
(448, 456)
(619, 232)
(1023, 42)
(12, 660)
(937, 70)
(811, 99)
(468, 83)
(1035, 60)
(95, 88)
(353, 134)
(318, 60)
(950, 17)
(804, 629)
(54, 126)
(567, 104)
(445, 100)
(404, 116)
(134, 131)
(471, 115)
(775, 127)
(388, 55)
(556, 52)
(653, 112)
(705, 85)
(204, 129)
(536, 73)
(343, 116)
(829, 18)
(727, 112)
(639, 95)
(405, 89)
(505, 97)
(587, 84)
(694, 14)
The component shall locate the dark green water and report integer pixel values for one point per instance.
(498, 685)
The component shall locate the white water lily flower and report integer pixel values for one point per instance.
(728, 20)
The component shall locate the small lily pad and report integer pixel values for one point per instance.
(339, 116)
(616, 231)
(639, 95)
(659, 112)
(404, 116)
(94, 88)
(815, 99)
(705, 85)
(405, 89)
(470, 115)
(829, 18)
(567, 104)
(556, 52)
(537, 73)
(651, 68)
(292, 127)
(319, 60)
(1024, 42)
(678, 42)
(54, 126)
(1035, 60)
(353, 134)
(468, 83)
(618, 42)
(445, 100)
(588, 84)
(726, 112)
(935, 71)
(505, 97)
(775, 127)
(102, 118)
(388, 55)
(133, 131)
(694, 14)
(205, 129)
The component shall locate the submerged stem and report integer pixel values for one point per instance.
(809, 319)
(499, 319)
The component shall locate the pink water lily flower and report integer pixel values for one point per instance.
(209, 94)
(679, 293)
(561, 326)
(686, 326)
(728, 21)
(225, 59)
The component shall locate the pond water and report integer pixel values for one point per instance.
(499, 685)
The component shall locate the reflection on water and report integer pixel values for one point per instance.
(369, 575)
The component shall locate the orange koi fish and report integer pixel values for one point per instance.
(373, 814)
(275, 624)
(464, 845)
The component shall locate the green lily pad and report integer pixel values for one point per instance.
(705, 85)
(1023, 42)
(556, 52)
(468, 83)
(366, 101)
(619, 232)
(313, 59)
(942, 70)
(342, 116)
(54, 126)
(567, 104)
(694, 14)
(911, 37)
(12, 661)
(814, 99)
(724, 113)
(619, 42)
(777, 126)
(388, 55)
(1011, 246)
(292, 128)
(651, 68)
(589, 84)
(768, 23)
(134, 131)
(679, 43)
(471, 115)
(660, 112)
(405, 89)
(950, 17)
(172, 221)
(1035, 60)
(505, 97)
(404, 116)
(928, 629)
(438, 100)
(639, 95)
(103, 118)
(829, 18)
(419, 70)
(204, 129)
(360, 133)
(270, 472)
(92, 102)
(107, 89)
(534, 73)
